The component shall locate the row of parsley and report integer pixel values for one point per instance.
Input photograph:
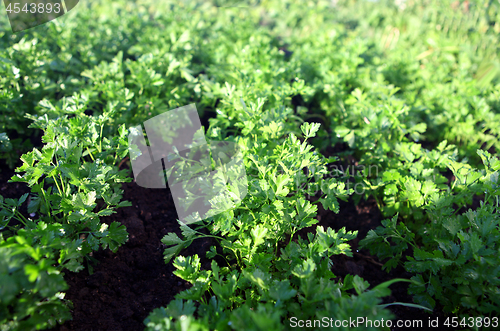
(217, 58)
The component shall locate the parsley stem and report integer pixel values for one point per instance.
(62, 185)
(209, 236)
(245, 207)
(45, 200)
(19, 216)
(57, 185)
(100, 140)
(91, 156)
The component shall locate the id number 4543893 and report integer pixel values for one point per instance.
(471, 322)
(34, 8)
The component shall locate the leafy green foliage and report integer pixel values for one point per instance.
(266, 297)
(454, 256)
(74, 182)
(72, 172)
(31, 287)
(408, 89)
(269, 276)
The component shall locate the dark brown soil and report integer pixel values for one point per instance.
(125, 287)
(362, 218)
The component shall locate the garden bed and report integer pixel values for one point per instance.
(298, 103)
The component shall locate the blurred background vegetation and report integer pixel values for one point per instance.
(139, 58)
